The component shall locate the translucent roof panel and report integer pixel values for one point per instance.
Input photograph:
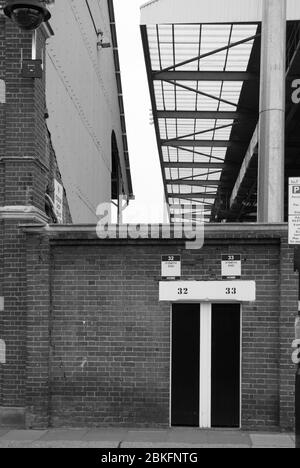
(193, 147)
(173, 44)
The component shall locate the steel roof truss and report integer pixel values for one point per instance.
(197, 91)
(209, 130)
(213, 52)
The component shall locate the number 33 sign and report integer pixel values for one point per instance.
(296, 354)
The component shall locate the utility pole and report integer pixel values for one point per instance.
(272, 113)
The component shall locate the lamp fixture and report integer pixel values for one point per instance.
(100, 43)
(29, 14)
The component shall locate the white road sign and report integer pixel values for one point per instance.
(171, 266)
(231, 266)
(294, 211)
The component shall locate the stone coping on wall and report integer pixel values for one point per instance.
(242, 232)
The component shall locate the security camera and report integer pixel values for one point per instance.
(28, 15)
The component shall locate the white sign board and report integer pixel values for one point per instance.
(1, 304)
(207, 291)
(294, 211)
(231, 266)
(171, 266)
(58, 201)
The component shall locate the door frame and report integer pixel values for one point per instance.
(205, 306)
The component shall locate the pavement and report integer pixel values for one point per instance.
(173, 438)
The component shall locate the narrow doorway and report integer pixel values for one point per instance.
(225, 366)
(205, 380)
(185, 364)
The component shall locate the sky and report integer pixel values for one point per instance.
(143, 153)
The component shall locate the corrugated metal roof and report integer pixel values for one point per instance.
(213, 11)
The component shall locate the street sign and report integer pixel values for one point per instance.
(171, 266)
(231, 266)
(32, 68)
(294, 211)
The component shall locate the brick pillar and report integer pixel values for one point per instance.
(288, 313)
(38, 329)
(23, 180)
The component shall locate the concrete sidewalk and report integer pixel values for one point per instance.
(175, 438)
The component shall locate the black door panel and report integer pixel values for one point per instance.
(185, 364)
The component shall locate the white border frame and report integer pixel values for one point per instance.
(205, 366)
(205, 371)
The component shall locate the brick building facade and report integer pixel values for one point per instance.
(88, 341)
(31, 162)
(27, 167)
(98, 341)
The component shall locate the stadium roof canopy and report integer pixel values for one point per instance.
(203, 64)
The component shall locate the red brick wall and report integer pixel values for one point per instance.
(14, 316)
(38, 332)
(21, 183)
(1, 294)
(110, 336)
(288, 284)
(27, 160)
(27, 166)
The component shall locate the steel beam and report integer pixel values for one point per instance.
(204, 143)
(245, 166)
(190, 219)
(205, 115)
(194, 207)
(153, 102)
(191, 196)
(193, 165)
(196, 183)
(204, 76)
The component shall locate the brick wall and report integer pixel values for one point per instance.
(2, 295)
(27, 160)
(110, 336)
(288, 285)
(27, 166)
(38, 332)
(14, 317)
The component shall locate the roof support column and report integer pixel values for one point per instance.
(272, 113)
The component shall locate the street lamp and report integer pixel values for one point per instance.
(28, 15)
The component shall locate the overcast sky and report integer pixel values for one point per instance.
(144, 160)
